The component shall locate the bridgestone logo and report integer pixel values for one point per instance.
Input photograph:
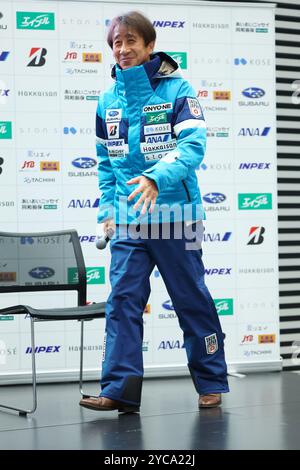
(157, 107)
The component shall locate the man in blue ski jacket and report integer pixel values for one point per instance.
(151, 135)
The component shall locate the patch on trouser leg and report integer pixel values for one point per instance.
(211, 343)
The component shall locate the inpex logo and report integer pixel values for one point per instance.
(168, 305)
(84, 162)
(43, 349)
(254, 166)
(168, 24)
(216, 237)
(214, 198)
(83, 203)
(253, 92)
(41, 272)
(87, 238)
(218, 271)
(254, 132)
(171, 344)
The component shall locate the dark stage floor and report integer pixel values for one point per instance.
(262, 411)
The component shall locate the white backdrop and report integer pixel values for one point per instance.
(54, 62)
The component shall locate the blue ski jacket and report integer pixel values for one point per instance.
(150, 123)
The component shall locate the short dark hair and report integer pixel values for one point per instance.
(137, 22)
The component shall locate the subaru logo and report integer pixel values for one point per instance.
(253, 92)
(113, 113)
(84, 162)
(214, 198)
(41, 272)
(168, 305)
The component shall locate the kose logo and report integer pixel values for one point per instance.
(214, 198)
(43, 349)
(255, 235)
(254, 132)
(38, 57)
(168, 24)
(84, 162)
(41, 272)
(253, 92)
(35, 20)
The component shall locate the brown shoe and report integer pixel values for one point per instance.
(210, 400)
(106, 404)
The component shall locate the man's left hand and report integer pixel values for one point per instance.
(149, 192)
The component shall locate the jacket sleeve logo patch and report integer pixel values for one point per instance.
(113, 130)
(113, 115)
(194, 107)
(211, 343)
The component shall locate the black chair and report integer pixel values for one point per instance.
(46, 261)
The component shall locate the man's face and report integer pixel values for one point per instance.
(129, 47)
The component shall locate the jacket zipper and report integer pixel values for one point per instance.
(186, 190)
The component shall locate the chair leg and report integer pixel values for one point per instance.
(83, 394)
(21, 411)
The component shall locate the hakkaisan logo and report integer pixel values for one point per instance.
(255, 201)
(35, 20)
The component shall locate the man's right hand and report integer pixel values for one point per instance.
(108, 227)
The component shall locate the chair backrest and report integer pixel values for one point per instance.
(44, 261)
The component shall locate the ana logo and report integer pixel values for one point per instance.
(38, 57)
(5, 130)
(4, 55)
(214, 198)
(35, 20)
(168, 305)
(83, 203)
(151, 139)
(255, 235)
(224, 306)
(41, 272)
(254, 132)
(168, 24)
(172, 344)
(70, 130)
(216, 237)
(238, 61)
(255, 201)
(180, 58)
(253, 92)
(84, 162)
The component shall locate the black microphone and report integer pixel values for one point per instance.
(101, 242)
